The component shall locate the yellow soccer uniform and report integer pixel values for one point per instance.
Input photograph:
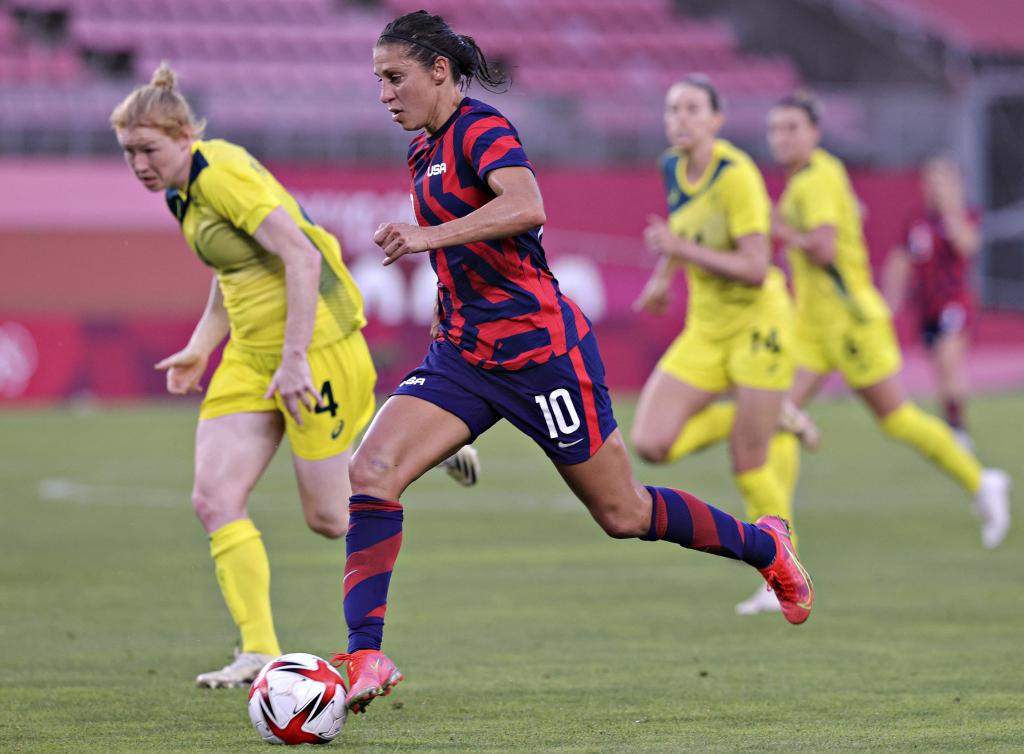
(842, 321)
(229, 194)
(736, 333)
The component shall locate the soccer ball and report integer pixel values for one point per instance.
(298, 699)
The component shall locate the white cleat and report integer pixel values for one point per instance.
(464, 466)
(993, 507)
(238, 674)
(792, 419)
(763, 601)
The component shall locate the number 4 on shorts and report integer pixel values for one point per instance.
(329, 403)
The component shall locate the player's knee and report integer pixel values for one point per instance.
(623, 518)
(748, 453)
(215, 507)
(370, 474)
(328, 524)
(650, 448)
(623, 525)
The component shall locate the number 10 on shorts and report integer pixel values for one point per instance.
(559, 413)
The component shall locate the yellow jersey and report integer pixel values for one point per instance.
(727, 202)
(820, 194)
(229, 194)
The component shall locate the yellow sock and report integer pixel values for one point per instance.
(705, 428)
(784, 458)
(243, 573)
(935, 441)
(764, 495)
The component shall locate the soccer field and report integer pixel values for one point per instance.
(518, 624)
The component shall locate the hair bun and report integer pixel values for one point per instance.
(164, 77)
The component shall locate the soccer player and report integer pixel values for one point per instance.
(936, 255)
(738, 334)
(295, 363)
(509, 346)
(842, 321)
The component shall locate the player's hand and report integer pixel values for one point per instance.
(781, 232)
(660, 240)
(655, 297)
(399, 239)
(294, 381)
(184, 370)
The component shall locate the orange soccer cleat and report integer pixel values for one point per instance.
(786, 576)
(370, 674)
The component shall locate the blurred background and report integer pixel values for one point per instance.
(96, 283)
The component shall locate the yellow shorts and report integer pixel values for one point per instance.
(344, 373)
(865, 352)
(759, 355)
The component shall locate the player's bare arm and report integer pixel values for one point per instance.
(279, 235)
(818, 244)
(749, 262)
(657, 293)
(186, 367)
(895, 275)
(516, 208)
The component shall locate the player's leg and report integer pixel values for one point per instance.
(434, 411)
(673, 413)
(663, 414)
(806, 385)
(231, 454)
(948, 355)
(344, 374)
(564, 406)
(324, 492)
(932, 438)
(408, 437)
(625, 508)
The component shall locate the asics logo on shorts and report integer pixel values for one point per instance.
(414, 381)
(338, 429)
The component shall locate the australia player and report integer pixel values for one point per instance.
(738, 334)
(843, 323)
(295, 364)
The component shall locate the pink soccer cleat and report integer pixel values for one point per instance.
(786, 576)
(370, 674)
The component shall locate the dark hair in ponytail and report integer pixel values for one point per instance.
(429, 37)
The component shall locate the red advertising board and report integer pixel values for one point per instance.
(98, 285)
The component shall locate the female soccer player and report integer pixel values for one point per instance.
(295, 363)
(510, 346)
(738, 323)
(935, 255)
(842, 322)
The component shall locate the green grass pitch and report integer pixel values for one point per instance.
(519, 626)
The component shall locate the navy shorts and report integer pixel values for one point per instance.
(952, 318)
(562, 404)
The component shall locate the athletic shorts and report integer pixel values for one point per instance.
(865, 352)
(759, 355)
(562, 404)
(343, 373)
(953, 317)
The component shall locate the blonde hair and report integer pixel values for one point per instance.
(159, 105)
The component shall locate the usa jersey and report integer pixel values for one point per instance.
(940, 273)
(500, 305)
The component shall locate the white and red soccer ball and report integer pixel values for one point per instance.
(298, 699)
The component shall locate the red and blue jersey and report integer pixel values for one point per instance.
(500, 304)
(941, 275)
